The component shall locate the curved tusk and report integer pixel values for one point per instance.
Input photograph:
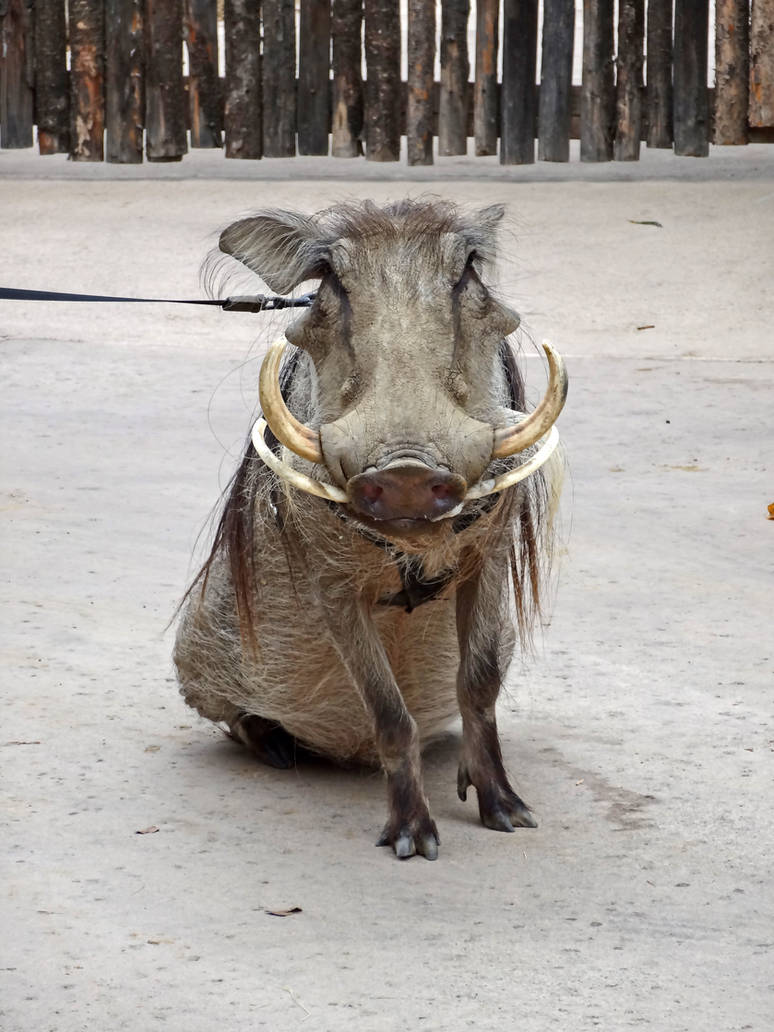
(496, 484)
(509, 440)
(286, 428)
(286, 472)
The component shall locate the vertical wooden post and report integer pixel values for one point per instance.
(124, 81)
(421, 79)
(556, 80)
(631, 37)
(455, 68)
(314, 66)
(16, 74)
(597, 89)
(52, 85)
(279, 78)
(382, 93)
(242, 112)
(518, 100)
(87, 79)
(485, 100)
(204, 101)
(691, 100)
(165, 114)
(659, 72)
(732, 71)
(761, 110)
(347, 115)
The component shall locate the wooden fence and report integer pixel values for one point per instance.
(104, 79)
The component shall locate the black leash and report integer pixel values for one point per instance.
(247, 303)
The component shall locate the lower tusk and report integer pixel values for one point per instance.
(292, 476)
(493, 485)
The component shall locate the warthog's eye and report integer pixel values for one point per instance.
(468, 273)
(470, 291)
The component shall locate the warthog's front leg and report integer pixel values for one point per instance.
(409, 829)
(478, 684)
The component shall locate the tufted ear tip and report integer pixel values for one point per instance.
(492, 215)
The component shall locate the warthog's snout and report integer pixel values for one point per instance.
(406, 490)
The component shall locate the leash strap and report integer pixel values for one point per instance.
(246, 303)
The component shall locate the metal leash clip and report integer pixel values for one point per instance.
(261, 303)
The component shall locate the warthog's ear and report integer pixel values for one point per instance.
(283, 247)
(480, 233)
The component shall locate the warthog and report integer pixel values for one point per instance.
(389, 510)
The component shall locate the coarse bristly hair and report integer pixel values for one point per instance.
(520, 520)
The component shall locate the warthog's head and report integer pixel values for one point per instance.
(411, 397)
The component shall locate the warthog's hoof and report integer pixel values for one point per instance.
(418, 835)
(498, 805)
(266, 739)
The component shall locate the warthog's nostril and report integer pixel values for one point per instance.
(412, 491)
(371, 491)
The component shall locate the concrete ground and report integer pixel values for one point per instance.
(641, 732)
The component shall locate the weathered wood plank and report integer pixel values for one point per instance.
(597, 89)
(732, 71)
(486, 116)
(455, 68)
(314, 65)
(204, 102)
(421, 59)
(87, 80)
(16, 74)
(124, 81)
(52, 84)
(518, 97)
(659, 73)
(279, 79)
(761, 109)
(347, 106)
(165, 106)
(691, 104)
(631, 39)
(556, 80)
(243, 98)
(383, 85)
